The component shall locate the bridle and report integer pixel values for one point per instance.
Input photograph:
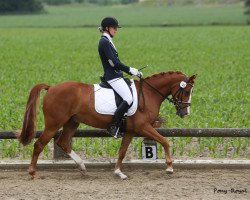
(177, 98)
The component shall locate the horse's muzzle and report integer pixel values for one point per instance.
(182, 113)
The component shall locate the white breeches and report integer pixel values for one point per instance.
(121, 87)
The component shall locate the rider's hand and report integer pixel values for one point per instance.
(135, 72)
(139, 75)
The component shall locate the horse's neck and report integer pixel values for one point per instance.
(164, 84)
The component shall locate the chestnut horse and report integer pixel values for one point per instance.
(69, 103)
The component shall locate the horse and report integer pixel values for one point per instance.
(67, 104)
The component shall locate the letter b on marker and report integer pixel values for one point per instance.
(149, 152)
(149, 149)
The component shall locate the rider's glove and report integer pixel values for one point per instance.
(135, 72)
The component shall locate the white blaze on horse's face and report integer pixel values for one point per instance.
(185, 111)
(189, 101)
(183, 99)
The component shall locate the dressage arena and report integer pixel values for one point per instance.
(145, 182)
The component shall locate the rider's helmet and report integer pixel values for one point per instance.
(109, 22)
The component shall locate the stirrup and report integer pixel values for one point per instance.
(114, 131)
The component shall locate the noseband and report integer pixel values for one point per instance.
(177, 98)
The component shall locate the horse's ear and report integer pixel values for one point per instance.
(192, 78)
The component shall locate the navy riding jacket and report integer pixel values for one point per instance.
(111, 64)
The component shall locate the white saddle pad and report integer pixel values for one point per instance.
(105, 100)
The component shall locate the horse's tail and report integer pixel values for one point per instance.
(29, 122)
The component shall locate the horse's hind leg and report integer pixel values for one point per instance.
(69, 129)
(39, 145)
(122, 152)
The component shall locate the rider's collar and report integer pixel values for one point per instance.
(109, 38)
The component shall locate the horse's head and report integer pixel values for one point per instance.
(181, 96)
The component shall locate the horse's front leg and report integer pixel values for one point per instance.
(122, 152)
(150, 132)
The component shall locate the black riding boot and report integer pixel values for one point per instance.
(116, 123)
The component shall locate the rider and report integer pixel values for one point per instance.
(113, 71)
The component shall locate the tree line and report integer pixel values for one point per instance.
(32, 6)
(247, 4)
(12, 6)
(99, 2)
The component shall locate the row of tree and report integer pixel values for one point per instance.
(10, 6)
(99, 2)
(30, 6)
(247, 4)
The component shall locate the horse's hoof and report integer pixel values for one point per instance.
(83, 168)
(32, 177)
(170, 170)
(83, 172)
(124, 177)
(32, 173)
(120, 174)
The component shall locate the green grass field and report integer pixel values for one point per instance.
(218, 54)
(79, 16)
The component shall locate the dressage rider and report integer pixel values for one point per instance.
(113, 69)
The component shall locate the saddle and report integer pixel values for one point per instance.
(107, 100)
(118, 98)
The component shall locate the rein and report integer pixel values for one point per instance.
(174, 100)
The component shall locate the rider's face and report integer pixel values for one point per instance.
(112, 31)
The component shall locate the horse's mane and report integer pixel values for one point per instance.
(164, 74)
